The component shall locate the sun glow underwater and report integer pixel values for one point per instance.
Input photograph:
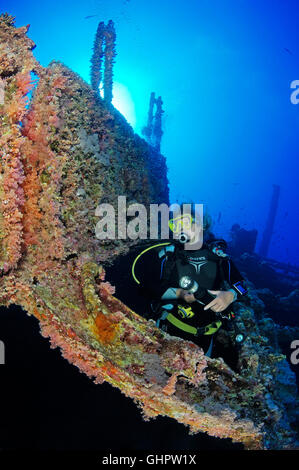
(123, 102)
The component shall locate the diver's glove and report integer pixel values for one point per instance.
(221, 301)
(207, 297)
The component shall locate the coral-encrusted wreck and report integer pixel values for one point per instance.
(61, 154)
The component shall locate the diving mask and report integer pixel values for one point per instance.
(180, 223)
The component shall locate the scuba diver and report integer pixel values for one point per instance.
(190, 290)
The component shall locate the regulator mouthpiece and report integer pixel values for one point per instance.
(183, 238)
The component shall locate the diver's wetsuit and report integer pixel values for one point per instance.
(159, 270)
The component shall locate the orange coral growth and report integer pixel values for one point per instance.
(32, 213)
(169, 388)
(106, 329)
(24, 83)
(12, 168)
(59, 82)
(41, 216)
(106, 289)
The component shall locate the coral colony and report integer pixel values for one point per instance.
(63, 152)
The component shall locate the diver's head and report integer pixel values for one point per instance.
(188, 224)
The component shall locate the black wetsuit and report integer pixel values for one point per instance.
(158, 272)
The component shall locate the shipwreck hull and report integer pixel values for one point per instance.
(65, 152)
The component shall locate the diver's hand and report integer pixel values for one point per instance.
(185, 295)
(222, 300)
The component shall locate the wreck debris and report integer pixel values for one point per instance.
(153, 131)
(105, 38)
(263, 251)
